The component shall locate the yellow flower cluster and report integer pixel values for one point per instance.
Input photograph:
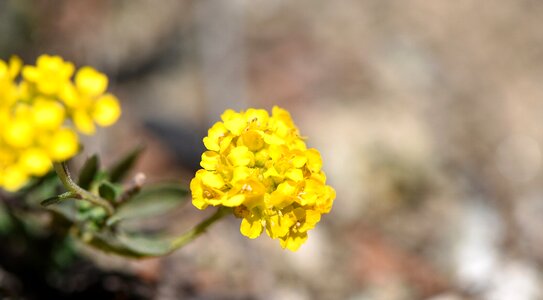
(39, 106)
(259, 165)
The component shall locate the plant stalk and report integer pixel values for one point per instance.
(196, 231)
(64, 174)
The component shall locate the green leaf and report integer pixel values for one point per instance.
(6, 223)
(123, 166)
(107, 191)
(146, 245)
(59, 198)
(97, 213)
(151, 201)
(88, 172)
(51, 201)
(134, 246)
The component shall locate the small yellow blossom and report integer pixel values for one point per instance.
(50, 74)
(260, 166)
(39, 106)
(87, 102)
(106, 110)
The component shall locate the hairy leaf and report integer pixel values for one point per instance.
(88, 172)
(130, 245)
(119, 171)
(108, 191)
(151, 201)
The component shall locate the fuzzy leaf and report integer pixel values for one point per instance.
(134, 246)
(51, 201)
(107, 191)
(58, 198)
(123, 166)
(151, 201)
(88, 172)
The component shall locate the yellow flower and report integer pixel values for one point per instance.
(106, 110)
(47, 113)
(260, 166)
(87, 102)
(18, 133)
(50, 74)
(63, 144)
(8, 90)
(37, 112)
(13, 178)
(35, 161)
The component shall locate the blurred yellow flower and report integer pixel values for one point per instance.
(260, 166)
(38, 105)
(50, 74)
(87, 102)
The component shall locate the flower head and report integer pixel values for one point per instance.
(38, 105)
(260, 166)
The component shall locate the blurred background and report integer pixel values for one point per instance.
(428, 115)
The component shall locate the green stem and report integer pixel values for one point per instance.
(196, 231)
(71, 186)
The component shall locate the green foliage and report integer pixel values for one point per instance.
(58, 198)
(89, 171)
(130, 245)
(5, 220)
(108, 191)
(93, 224)
(119, 171)
(151, 201)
